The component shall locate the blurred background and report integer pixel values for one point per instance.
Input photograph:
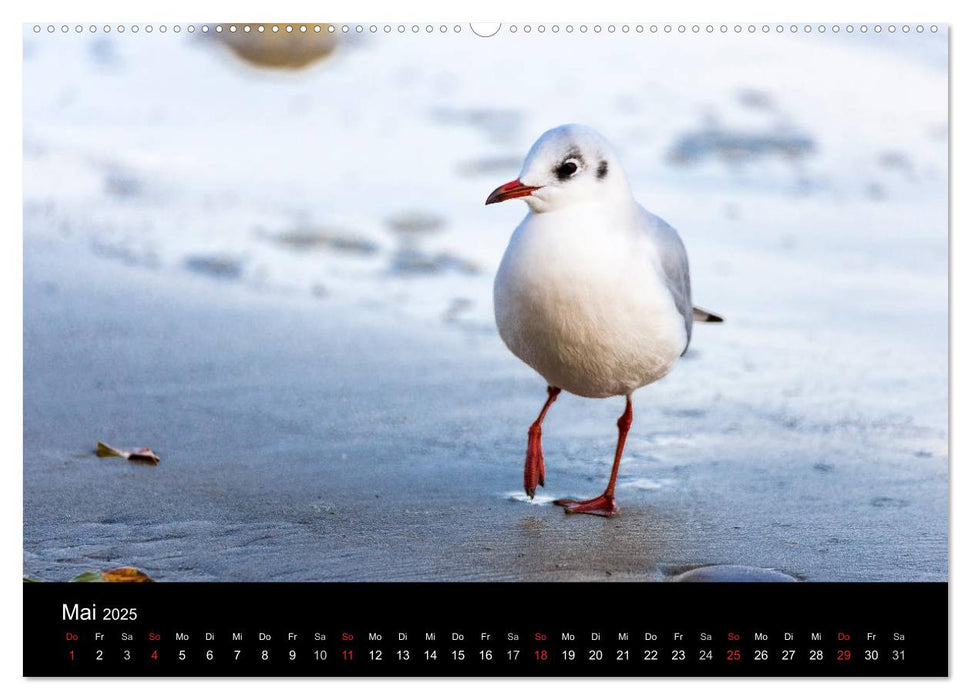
(807, 175)
(356, 165)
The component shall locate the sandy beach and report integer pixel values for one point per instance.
(303, 442)
(281, 283)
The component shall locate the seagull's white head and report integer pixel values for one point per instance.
(569, 164)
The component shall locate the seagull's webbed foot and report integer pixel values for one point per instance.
(603, 505)
(534, 472)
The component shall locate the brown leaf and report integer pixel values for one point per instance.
(122, 574)
(125, 574)
(141, 454)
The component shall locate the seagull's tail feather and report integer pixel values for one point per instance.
(702, 316)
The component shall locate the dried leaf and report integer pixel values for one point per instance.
(142, 454)
(125, 574)
(122, 574)
(87, 577)
(107, 451)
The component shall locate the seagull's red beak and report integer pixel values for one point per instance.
(511, 190)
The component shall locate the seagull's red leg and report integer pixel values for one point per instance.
(534, 473)
(604, 504)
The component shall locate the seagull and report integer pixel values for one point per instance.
(593, 291)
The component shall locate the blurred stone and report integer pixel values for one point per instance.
(281, 49)
(456, 308)
(305, 238)
(122, 184)
(415, 222)
(737, 146)
(217, 266)
(876, 191)
(727, 573)
(411, 261)
(896, 160)
(756, 99)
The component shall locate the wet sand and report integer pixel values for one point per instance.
(306, 440)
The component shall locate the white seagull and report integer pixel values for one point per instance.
(593, 291)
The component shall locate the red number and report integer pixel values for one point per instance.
(541, 655)
(734, 655)
(154, 654)
(348, 654)
(842, 654)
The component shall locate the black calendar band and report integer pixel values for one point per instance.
(486, 629)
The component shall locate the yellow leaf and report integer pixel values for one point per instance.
(108, 451)
(125, 574)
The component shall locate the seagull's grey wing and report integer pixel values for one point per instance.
(674, 264)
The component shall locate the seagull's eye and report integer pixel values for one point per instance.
(565, 170)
